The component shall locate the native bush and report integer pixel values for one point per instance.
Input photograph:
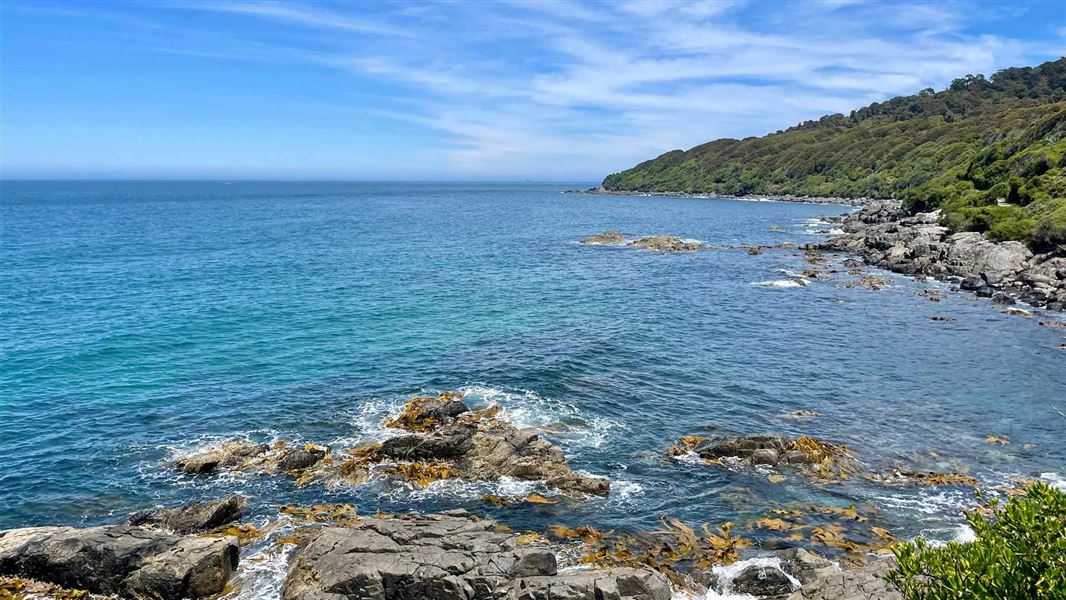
(1019, 553)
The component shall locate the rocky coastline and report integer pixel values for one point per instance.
(887, 236)
(333, 552)
(446, 556)
(601, 191)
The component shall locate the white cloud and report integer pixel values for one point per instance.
(582, 89)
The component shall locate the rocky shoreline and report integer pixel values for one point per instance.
(446, 556)
(748, 197)
(333, 552)
(889, 237)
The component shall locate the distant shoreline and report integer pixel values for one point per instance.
(747, 197)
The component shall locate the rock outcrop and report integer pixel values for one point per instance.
(612, 237)
(449, 556)
(479, 446)
(657, 243)
(797, 574)
(129, 561)
(228, 454)
(889, 237)
(666, 243)
(829, 582)
(447, 440)
(818, 459)
(195, 517)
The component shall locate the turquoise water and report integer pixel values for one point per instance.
(142, 320)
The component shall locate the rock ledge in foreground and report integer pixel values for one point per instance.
(448, 556)
(133, 562)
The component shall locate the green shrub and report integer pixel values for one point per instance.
(1019, 553)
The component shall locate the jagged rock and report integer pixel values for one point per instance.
(618, 583)
(1002, 298)
(665, 243)
(608, 237)
(448, 442)
(194, 517)
(887, 236)
(424, 413)
(444, 557)
(762, 581)
(134, 562)
(818, 459)
(295, 459)
(804, 565)
(864, 583)
(227, 454)
(451, 442)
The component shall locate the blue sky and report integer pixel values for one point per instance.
(546, 90)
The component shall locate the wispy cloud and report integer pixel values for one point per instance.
(584, 88)
(303, 15)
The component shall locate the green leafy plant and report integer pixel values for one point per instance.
(1019, 553)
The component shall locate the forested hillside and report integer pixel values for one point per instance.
(991, 152)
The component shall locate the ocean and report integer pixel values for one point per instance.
(143, 320)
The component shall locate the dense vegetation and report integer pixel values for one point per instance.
(1019, 552)
(990, 152)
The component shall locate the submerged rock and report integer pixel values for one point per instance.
(194, 517)
(447, 556)
(611, 237)
(129, 561)
(666, 243)
(818, 459)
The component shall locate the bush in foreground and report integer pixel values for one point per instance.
(1019, 553)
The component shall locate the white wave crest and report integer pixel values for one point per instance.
(784, 283)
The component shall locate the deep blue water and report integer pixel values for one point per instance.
(141, 320)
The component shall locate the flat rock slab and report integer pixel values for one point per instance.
(450, 556)
(133, 562)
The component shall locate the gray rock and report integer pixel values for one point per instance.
(450, 441)
(762, 582)
(620, 583)
(445, 557)
(134, 562)
(194, 517)
(227, 454)
(1002, 298)
(864, 583)
(295, 459)
(804, 565)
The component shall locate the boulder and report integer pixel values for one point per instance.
(444, 557)
(134, 562)
(804, 565)
(194, 517)
(863, 583)
(227, 454)
(762, 581)
(296, 459)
